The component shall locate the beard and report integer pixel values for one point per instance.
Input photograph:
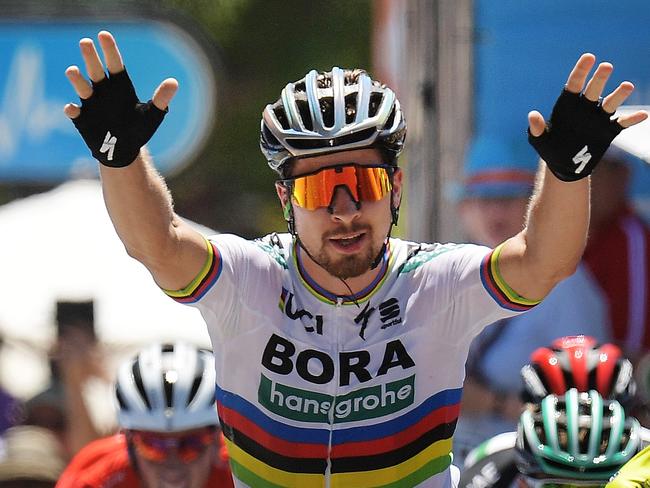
(349, 266)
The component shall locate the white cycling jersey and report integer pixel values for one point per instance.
(321, 390)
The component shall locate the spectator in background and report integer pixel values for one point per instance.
(30, 457)
(167, 409)
(493, 199)
(10, 408)
(75, 360)
(618, 253)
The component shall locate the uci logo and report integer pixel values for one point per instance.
(279, 357)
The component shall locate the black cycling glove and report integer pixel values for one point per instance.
(114, 123)
(576, 137)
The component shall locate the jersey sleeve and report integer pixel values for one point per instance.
(231, 290)
(480, 295)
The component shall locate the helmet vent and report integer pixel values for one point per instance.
(375, 102)
(137, 378)
(198, 378)
(169, 392)
(282, 117)
(303, 108)
(120, 398)
(327, 109)
(350, 107)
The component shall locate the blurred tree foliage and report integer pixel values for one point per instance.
(263, 44)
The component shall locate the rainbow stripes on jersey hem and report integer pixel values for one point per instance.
(498, 288)
(204, 280)
(401, 451)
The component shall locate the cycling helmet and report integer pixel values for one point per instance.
(329, 112)
(580, 362)
(167, 388)
(576, 436)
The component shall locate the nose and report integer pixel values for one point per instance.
(343, 207)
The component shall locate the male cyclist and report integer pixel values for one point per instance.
(170, 437)
(340, 350)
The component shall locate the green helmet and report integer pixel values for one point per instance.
(575, 437)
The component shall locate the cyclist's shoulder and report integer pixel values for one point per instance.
(411, 255)
(103, 462)
(491, 464)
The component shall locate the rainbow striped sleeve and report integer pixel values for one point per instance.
(498, 288)
(207, 277)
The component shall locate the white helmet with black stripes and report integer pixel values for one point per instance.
(167, 388)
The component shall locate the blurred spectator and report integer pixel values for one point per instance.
(618, 252)
(167, 409)
(30, 457)
(493, 202)
(10, 410)
(75, 360)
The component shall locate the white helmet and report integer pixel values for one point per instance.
(167, 388)
(334, 111)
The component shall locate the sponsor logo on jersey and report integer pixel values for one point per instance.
(309, 406)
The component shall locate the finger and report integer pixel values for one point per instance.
(614, 100)
(536, 123)
(632, 119)
(94, 66)
(579, 73)
(112, 55)
(164, 93)
(78, 82)
(597, 82)
(71, 110)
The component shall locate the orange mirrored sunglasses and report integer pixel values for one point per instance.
(157, 448)
(364, 183)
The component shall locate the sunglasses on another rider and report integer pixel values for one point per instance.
(365, 183)
(157, 448)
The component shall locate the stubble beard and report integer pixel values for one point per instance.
(347, 266)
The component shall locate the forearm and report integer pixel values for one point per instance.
(141, 209)
(551, 244)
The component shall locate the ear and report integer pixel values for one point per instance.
(283, 193)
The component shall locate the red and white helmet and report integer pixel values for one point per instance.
(578, 362)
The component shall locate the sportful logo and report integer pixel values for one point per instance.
(581, 159)
(108, 145)
(310, 406)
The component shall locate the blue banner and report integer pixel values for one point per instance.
(525, 50)
(37, 141)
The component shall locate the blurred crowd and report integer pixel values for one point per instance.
(517, 370)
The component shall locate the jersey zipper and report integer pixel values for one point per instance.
(330, 416)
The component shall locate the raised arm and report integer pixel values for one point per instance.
(115, 126)
(571, 144)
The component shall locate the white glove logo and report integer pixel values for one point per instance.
(110, 141)
(581, 159)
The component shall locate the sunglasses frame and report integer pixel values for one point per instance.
(288, 183)
(202, 437)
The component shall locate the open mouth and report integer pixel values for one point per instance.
(349, 241)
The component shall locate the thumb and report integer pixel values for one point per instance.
(536, 123)
(164, 93)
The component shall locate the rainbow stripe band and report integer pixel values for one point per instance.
(207, 277)
(402, 451)
(498, 288)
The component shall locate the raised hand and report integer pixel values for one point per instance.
(580, 128)
(111, 119)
